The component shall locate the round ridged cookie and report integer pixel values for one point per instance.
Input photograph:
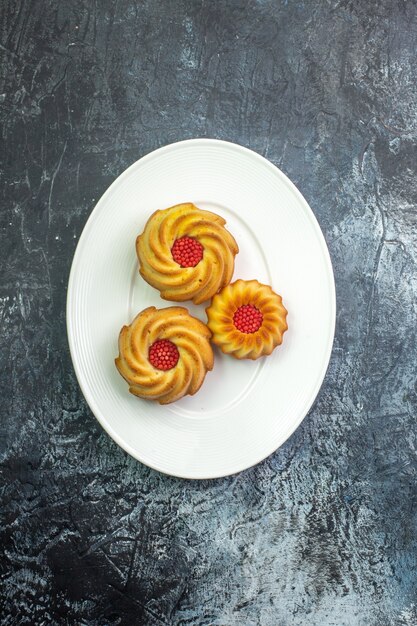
(186, 253)
(247, 319)
(164, 354)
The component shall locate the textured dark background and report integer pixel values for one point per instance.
(324, 531)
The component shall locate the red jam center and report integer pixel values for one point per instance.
(163, 354)
(248, 319)
(187, 251)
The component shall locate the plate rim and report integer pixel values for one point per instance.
(88, 395)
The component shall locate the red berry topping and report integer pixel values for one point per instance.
(163, 354)
(248, 319)
(187, 251)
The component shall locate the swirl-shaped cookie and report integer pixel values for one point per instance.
(247, 319)
(164, 354)
(186, 253)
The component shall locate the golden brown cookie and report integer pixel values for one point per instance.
(164, 354)
(186, 253)
(247, 319)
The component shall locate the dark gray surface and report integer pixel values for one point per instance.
(324, 531)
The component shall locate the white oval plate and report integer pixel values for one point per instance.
(245, 410)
